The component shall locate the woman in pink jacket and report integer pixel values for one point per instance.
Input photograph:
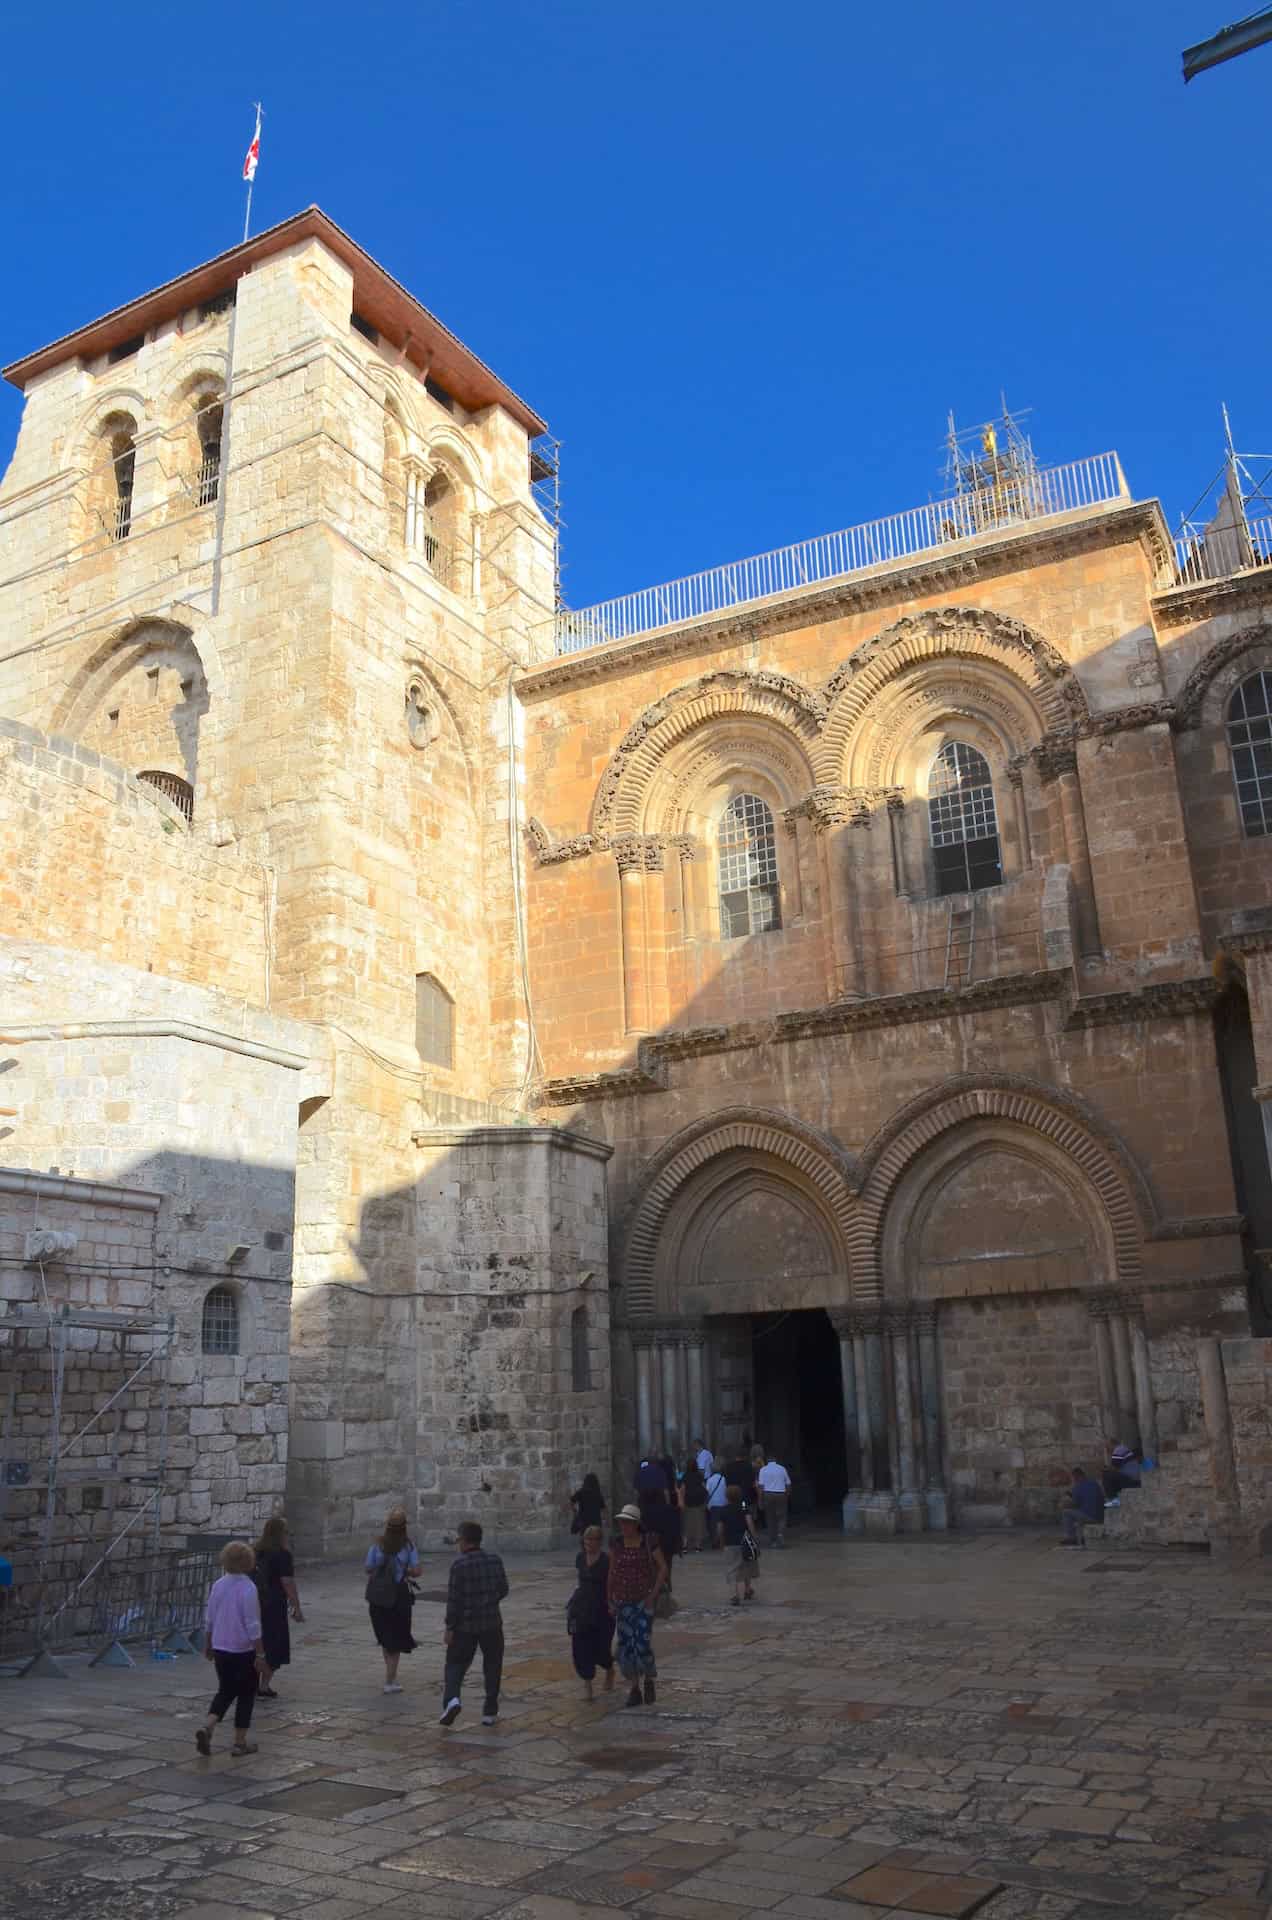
(234, 1644)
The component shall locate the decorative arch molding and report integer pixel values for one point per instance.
(944, 633)
(1227, 653)
(127, 400)
(205, 368)
(126, 647)
(624, 787)
(446, 450)
(752, 1130)
(1059, 1117)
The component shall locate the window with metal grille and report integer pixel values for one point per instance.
(746, 854)
(172, 787)
(208, 420)
(580, 1358)
(963, 822)
(124, 460)
(221, 1321)
(1250, 742)
(434, 1021)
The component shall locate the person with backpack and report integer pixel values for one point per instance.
(717, 1501)
(744, 1553)
(391, 1564)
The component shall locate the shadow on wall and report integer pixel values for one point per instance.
(193, 1420)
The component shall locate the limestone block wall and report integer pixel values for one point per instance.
(98, 860)
(1022, 1404)
(512, 1246)
(157, 1120)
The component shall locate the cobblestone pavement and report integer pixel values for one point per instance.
(944, 1726)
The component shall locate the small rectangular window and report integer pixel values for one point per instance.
(219, 303)
(365, 328)
(437, 392)
(434, 1021)
(125, 350)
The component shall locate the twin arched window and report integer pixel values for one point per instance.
(963, 823)
(1250, 744)
(746, 856)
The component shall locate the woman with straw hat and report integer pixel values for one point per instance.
(637, 1575)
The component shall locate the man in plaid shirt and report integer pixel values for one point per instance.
(477, 1584)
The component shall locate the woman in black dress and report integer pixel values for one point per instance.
(276, 1585)
(590, 1622)
(391, 1619)
(588, 1503)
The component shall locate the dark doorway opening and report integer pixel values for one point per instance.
(799, 1403)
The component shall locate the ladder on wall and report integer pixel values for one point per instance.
(960, 945)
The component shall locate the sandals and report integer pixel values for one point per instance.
(203, 1741)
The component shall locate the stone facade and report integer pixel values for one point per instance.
(908, 1182)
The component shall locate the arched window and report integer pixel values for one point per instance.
(221, 1321)
(1250, 742)
(746, 852)
(172, 787)
(119, 460)
(580, 1358)
(434, 1021)
(963, 821)
(208, 419)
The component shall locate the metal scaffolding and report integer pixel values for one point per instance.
(105, 1449)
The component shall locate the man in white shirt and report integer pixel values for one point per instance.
(706, 1459)
(775, 1485)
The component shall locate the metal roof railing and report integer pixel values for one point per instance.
(1018, 495)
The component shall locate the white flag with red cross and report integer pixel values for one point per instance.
(254, 152)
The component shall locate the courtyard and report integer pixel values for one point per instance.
(965, 1724)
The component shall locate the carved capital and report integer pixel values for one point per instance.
(639, 852)
(1054, 757)
(896, 800)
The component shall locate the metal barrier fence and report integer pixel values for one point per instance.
(1027, 494)
(148, 1601)
(1212, 553)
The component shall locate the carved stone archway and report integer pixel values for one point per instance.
(1056, 1116)
(969, 633)
(619, 806)
(753, 1131)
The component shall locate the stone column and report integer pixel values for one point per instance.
(1218, 1419)
(1145, 1409)
(877, 1395)
(629, 853)
(1099, 1311)
(644, 1343)
(841, 1321)
(839, 907)
(930, 1405)
(912, 1514)
(1061, 764)
(865, 1433)
(1124, 1376)
(1016, 779)
(694, 1345)
(896, 828)
(673, 1416)
(682, 1390)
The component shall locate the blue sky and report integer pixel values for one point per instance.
(743, 257)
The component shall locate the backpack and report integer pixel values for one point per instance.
(382, 1584)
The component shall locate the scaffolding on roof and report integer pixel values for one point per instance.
(1228, 529)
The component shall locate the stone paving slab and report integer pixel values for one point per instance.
(938, 1727)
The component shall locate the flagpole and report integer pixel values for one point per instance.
(251, 177)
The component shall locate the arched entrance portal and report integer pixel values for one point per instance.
(733, 1262)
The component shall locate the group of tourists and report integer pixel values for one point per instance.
(1088, 1499)
(620, 1589)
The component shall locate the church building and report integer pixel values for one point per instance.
(825, 1002)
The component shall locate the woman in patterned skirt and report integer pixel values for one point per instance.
(637, 1574)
